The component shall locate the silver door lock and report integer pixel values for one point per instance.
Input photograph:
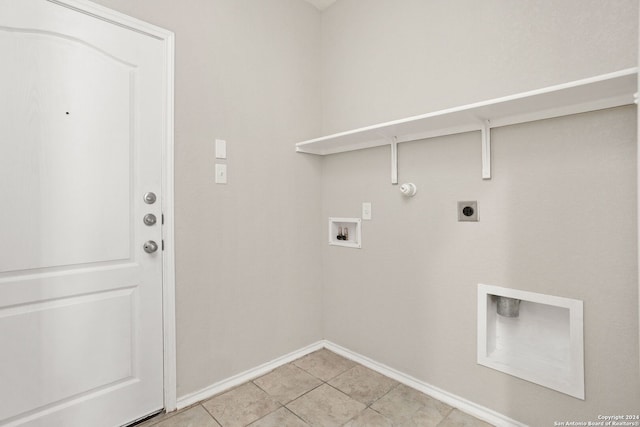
(150, 246)
(149, 219)
(149, 198)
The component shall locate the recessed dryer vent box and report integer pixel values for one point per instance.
(539, 341)
(351, 232)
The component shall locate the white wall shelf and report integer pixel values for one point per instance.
(590, 94)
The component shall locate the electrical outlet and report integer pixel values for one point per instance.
(468, 211)
(221, 173)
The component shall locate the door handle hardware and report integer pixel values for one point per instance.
(149, 219)
(150, 246)
(149, 198)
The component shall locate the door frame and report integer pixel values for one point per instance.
(167, 197)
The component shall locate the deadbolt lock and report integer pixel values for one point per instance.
(149, 198)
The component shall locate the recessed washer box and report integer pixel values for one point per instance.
(353, 233)
(544, 344)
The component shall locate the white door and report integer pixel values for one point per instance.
(81, 125)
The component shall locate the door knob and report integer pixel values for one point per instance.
(150, 246)
(149, 219)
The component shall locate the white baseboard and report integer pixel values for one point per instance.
(245, 376)
(464, 405)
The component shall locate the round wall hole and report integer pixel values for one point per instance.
(467, 211)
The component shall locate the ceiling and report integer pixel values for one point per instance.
(321, 4)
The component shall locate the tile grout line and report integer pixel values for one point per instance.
(264, 416)
(445, 417)
(210, 414)
(263, 390)
(370, 404)
(388, 391)
(296, 415)
(305, 393)
(382, 415)
(322, 382)
(284, 405)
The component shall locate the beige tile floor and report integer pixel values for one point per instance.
(320, 389)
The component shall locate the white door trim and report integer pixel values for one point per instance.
(168, 275)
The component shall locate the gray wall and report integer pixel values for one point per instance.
(247, 254)
(385, 59)
(558, 217)
(255, 278)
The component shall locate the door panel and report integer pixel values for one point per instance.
(46, 336)
(70, 107)
(81, 132)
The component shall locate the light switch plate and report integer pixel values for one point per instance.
(221, 149)
(221, 173)
(366, 210)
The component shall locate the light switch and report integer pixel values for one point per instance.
(221, 149)
(366, 210)
(221, 173)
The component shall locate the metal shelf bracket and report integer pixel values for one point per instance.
(486, 150)
(394, 160)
